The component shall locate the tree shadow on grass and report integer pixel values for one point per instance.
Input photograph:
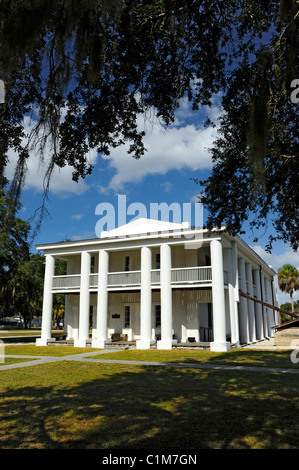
(140, 407)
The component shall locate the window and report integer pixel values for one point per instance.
(127, 263)
(158, 261)
(127, 316)
(90, 315)
(158, 316)
(210, 316)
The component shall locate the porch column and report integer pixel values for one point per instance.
(102, 303)
(166, 341)
(265, 309)
(258, 307)
(270, 314)
(145, 299)
(47, 303)
(243, 307)
(84, 301)
(233, 286)
(251, 314)
(219, 324)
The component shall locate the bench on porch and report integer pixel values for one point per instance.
(118, 337)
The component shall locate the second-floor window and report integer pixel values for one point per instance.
(127, 263)
(158, 261)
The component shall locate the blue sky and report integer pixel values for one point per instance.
(175, 155)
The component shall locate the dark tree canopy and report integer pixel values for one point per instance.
(256, 153)
(21, 273)
(85, 70)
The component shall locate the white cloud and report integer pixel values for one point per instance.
(277, 260)
(61, 179)
(77, 216)
(180, 146)
(195, 199)
(84, 235)
(173, 148)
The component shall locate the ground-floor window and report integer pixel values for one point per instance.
(127, 316)
(158, 316)
(210, 316)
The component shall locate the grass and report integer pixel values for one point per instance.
(68, 405)
(14, 360)
(232, 357)
(25, 333)
(32, 350)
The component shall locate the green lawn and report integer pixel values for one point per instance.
(32, 350)
(14, 360)
(18, 333)
(117, 406)
(233, 357)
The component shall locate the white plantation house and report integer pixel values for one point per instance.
(160, 284)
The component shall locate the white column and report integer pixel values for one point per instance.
(258, 307)
(251, 314)
(264, 298)
(47, 303)
(274, 287)
(84, 301)
(166, 341)
(235, 270)
(219, 324)
(145, 300)
(270, 310)
(102, 302)
(233, 307)
(265, 309)
(66, 320)
(243, 306)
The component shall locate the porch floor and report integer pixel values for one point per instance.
(132, 344)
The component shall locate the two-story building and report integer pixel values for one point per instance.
(160, 283)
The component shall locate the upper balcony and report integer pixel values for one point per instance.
(180, 277)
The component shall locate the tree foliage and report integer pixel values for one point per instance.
(21, 273)
(256, 152)
(86, 70)
(288, 280)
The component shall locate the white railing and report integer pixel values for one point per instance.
(93, 280)
(155, 276)
(71, 281)
(126, 278)
(191, 275)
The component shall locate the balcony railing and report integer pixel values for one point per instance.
(179, 276)
(191, 275)
(124, 279)
(66, 282)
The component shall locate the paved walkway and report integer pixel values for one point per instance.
(87, 357)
